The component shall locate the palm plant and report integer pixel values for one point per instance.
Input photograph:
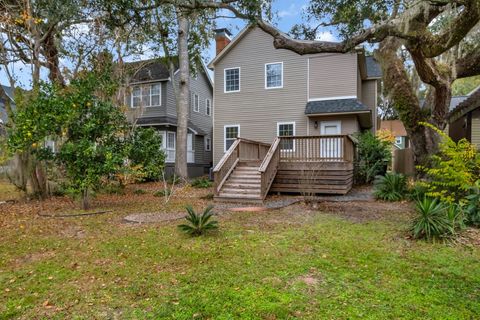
(391, 187)
(198, 224)
(473, 204)
(432, 220)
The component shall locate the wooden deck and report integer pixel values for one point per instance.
(298, 164)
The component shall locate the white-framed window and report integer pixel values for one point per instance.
(195, 102)
(286, 129)
(398, 140)
(208, 144)
(146, 95)
(190, 150)
(231, 132)
(274, 75)
(232, 80)
(169, 146)
(136, 96)
(208, 107)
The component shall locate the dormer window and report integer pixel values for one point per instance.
(146, 95)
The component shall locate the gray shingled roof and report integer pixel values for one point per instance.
(454, 102)
(148, 70)
(335, 106)
(471, 102)
(373, 67)
(165, 120)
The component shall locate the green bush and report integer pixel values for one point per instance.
(113, 189)
(145, 153)
(432, 221)
(417, 191)
(456, 215)
(198, 224)
(373, 157)
(391, 187)
(473, 204)
(201, 182)
(139, 191)
(162, 193)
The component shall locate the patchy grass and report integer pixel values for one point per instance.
(8, 191)
(282, 264)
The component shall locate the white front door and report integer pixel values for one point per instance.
(331, 147)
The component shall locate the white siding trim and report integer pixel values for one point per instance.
(270, 63)
(225, 80)
(333, 98)
(225, 134)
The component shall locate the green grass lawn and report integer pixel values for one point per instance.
(292, 263)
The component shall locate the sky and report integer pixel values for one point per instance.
(287, 14)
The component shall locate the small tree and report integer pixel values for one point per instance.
(87, 126)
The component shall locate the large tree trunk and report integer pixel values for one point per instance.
(183, 96)
(399, 88)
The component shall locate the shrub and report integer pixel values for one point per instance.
(139, 191)
(162, 193)
(417, 191)
(146, 154)
(431, 221)
(113, 189)
(456, 216)
(391, 187)
(373, 158)
(201, 183)
(453, 170)
(473, 204)
(198, 224)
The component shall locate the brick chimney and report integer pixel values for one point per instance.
(222, 39)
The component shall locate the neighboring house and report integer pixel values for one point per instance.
(262, 93)
(397, 128)
(151, 103)
(464, 119)
(3, 111)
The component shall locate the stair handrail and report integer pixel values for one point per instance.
(268, 168)
(226, 165)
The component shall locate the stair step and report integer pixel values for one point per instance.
(239, 196)
(250, 163)
(240, 191)
(243, 181)
(242, 185)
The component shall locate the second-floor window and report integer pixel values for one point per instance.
(232, 80)
(195, 102)
(208, 107)
(274, 75)
(146, 95)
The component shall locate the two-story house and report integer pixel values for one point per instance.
(151, 102)
(311, 103)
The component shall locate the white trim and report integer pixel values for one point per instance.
(207, 144)
(225, 80)
(195, 106)
(333, 98)
(308, 79)
(148, 81)
(272, 63)
(208, 106)
(294, 132)
(225, 134)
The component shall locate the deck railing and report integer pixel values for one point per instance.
(241, 149)
(268, 168)
(317, 148)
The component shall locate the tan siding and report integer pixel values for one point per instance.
(476, 128)
(333, 75)
(254, 108)
(349, 123)
(369, 98)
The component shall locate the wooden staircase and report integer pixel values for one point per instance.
(243, 184)
(307, 164)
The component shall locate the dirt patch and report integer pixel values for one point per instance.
(363, 211)
(34, 257)
(311, 279)
(153, 217)
(470, 236)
